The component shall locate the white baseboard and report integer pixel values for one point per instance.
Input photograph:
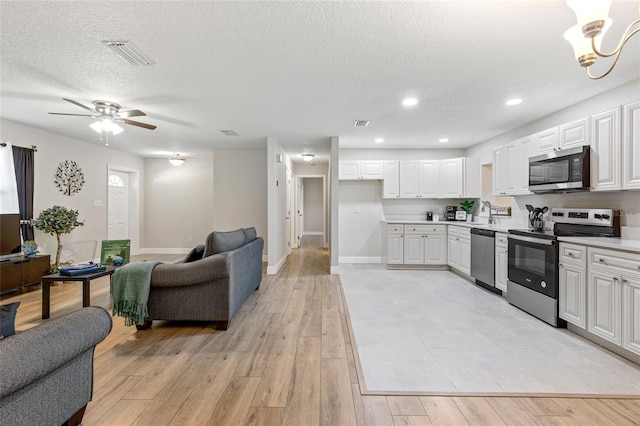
(335, 270)
(360, 259)
(272, 270)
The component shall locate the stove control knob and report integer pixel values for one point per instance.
(605, 216)
(597, 216)
(543, 284)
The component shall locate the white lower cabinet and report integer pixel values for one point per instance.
(395, 245)
(613, 298)
(459, 248)
(502, 261)
(425, 245)
(572, 294)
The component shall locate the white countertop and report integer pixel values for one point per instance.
(603, 242)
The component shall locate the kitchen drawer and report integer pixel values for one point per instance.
(395, 228)
(460, 231)
(501, 240)
(573, 254)
(424, 229)
(621, 262)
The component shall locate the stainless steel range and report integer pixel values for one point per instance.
(533, 258)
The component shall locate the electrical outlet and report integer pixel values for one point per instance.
(357, 209)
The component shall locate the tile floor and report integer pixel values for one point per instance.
(435, 332)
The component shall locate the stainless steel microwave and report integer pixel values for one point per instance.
(560, 171)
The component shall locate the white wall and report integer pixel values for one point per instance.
(627, 201)
(179, 204)
(240, 190)
(92, 158)
(313, 206)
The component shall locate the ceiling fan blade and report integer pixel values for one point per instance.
(64, 113)
(139, 124)
(131, 113)
(80, 105)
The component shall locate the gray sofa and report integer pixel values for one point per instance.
(46, 372)
(211, 284)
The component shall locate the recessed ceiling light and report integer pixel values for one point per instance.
(409, 102)
(514, 101)
(443, 140)
(378, 140)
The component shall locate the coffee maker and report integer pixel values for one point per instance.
(450, 213)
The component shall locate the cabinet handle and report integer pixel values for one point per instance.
(615, 279)
(601, 260)
(624, 281)
(570, 254)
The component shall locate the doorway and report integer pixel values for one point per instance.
(123, 205)
(310, 208)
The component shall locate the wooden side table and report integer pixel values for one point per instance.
(84, 278)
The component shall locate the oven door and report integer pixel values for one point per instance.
(533, 263)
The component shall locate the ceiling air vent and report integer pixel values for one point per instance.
(229, 132)
(361, 123)
(129, 52)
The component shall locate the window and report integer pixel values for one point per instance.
(115, 180)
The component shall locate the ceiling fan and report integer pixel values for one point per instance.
(109, 111)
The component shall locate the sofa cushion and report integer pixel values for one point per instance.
(219, 242)
(8, 319)
(196, 253)
(250, 234)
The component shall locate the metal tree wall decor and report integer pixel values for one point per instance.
(69, 177)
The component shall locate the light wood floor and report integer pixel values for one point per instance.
(285, 359)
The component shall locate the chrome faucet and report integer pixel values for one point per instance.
(488, 204)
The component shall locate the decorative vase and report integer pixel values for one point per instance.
(30, 248)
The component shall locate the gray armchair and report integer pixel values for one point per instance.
(46, 372)
(211, 288)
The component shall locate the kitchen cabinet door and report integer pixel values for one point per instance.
(435, 249)
(501, 266)
(465, 255)
(604, 316)
(371, 170)
(631, 314)
(452, 178)
(498, 171)
(409, 179)
(631, 146)
(572, 297)
(395, 249)
(453, 251)
(429, 179)
(605, 151)
(574, 134)
(391, 180)
(546, 141)
(413, 249)
(349, 170)
(513, 167)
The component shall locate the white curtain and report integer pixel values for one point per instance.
(8, 186)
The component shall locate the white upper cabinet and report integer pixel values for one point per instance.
(631, 146)
(361, 170)
(545, 141)
(605, 150)
(420, 179)
(391, 179)
(511, 167)
(571, 135)
(452, 182)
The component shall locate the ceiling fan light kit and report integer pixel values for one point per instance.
(177, 160)
(586, 37)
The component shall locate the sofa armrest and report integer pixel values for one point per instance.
(33, 354)
(201, 271)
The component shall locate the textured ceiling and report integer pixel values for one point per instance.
(298, 71)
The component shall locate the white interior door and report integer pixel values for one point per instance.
(299, 209)
(288, 204)
(118, 205)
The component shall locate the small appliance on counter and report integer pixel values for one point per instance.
(429, 216)
(461, 215)
(450, 212)
(535, 217)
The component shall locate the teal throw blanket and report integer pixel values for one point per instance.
(130, 286)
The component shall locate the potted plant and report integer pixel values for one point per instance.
(57, 221)
(467, 206)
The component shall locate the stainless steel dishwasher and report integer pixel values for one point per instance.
(483, 256)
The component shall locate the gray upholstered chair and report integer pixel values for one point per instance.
(46, 372)
(211, 288)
